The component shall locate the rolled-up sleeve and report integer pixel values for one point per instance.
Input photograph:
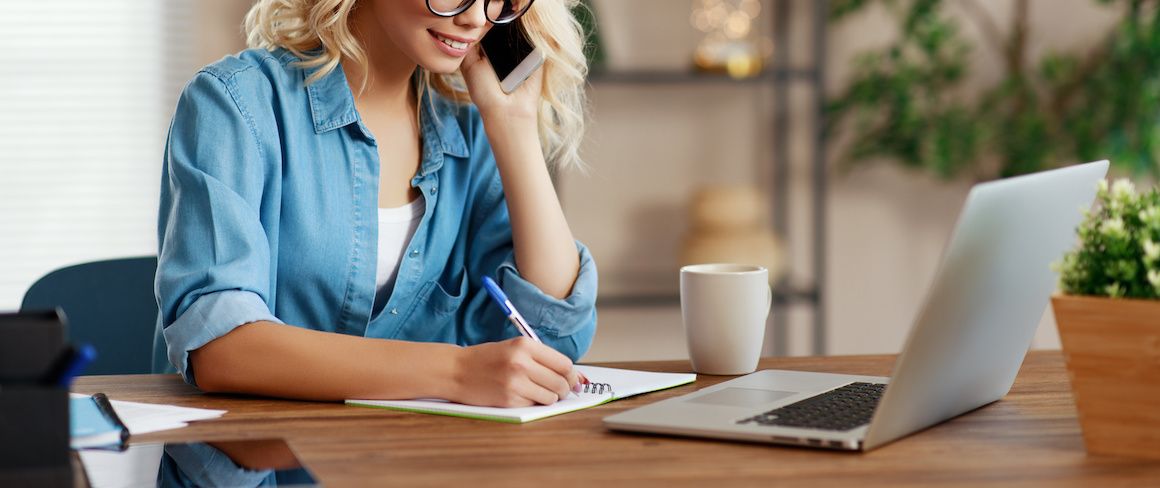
(564, 317)
(567, 324)
(214, 259)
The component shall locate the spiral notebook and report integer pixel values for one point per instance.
(608, 384)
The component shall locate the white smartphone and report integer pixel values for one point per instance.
(511, 54)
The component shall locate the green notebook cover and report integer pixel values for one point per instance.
(623, 383)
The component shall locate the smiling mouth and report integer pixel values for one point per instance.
(460, 45)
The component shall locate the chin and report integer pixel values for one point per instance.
(442, 67)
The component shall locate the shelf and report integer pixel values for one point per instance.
(677, 77)
(781, 75)
(781, 296)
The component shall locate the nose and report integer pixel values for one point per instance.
(474, 17)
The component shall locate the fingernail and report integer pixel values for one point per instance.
(577, 388)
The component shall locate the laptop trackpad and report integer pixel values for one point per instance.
(742, 397)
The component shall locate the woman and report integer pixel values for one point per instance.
(276, 278)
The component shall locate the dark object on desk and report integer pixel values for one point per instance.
(107, 410)
(34, 420)
(240, 463)
(110, 304)
(30, 344)
(94, 423)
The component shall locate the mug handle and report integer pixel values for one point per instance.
(768, 300)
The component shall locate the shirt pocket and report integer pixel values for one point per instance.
(435, 312)
(445, 299)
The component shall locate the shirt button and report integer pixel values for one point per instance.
(434, 189)
(394, 311)
(415, 252)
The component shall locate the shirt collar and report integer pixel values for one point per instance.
(442, 132)
(332, 106)
(331, 101)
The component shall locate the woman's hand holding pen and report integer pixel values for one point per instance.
(518, 372)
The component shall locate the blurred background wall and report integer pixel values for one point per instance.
(649, 147)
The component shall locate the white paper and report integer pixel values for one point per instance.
(142, 418)
(624, 383)
(134, 468)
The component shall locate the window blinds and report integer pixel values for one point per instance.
(86, 92)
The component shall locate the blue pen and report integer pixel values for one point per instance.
(525, 329)
(72, 363)
(509, 310)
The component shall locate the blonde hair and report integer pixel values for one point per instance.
(318, 33)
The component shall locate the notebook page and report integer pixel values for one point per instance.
(570, 403)
(624, 383)
(627, 382)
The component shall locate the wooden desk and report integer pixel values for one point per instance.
(1030, 438)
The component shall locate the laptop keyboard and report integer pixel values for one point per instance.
(840, 409)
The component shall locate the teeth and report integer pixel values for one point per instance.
(454, 44)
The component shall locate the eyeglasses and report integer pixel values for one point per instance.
(496, 11)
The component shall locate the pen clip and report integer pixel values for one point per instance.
(501, 299)
(497, 294)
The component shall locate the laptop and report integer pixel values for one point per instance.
(963, 352)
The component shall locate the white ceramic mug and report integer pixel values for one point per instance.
(724, 307)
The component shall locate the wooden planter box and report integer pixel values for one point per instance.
(1112, 349)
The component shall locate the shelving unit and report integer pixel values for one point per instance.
(659, 77)
(780, 76)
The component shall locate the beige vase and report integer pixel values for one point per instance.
(730, 224)
(1112, 349)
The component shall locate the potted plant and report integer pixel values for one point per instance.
(1109, 321)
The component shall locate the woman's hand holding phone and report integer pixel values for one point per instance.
(519, 106)
(545, 250)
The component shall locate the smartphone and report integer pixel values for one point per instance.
(511, 54)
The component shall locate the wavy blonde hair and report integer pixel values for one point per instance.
(319, 33)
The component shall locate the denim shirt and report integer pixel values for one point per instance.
(269, 198)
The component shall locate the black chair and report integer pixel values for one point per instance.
(109, 304)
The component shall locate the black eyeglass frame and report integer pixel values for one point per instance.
(469, 3)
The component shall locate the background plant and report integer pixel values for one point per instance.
(1119, 246)
(904, 103)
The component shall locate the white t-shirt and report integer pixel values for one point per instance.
(396, 226)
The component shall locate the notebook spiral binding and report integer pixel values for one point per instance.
(598, 388)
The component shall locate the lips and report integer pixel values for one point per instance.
(451, 44)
